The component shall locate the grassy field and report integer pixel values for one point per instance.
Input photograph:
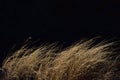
(84, 60)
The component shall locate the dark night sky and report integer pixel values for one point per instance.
(56, 20)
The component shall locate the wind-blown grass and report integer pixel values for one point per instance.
(81, 61)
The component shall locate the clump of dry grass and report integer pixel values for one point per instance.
(81, 61)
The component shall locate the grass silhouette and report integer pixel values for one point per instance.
(85, 60)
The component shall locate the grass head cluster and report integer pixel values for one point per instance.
(85, 60)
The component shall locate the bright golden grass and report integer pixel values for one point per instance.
(82, 61)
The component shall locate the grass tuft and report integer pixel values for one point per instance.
(81, 61)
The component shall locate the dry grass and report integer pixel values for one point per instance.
(81, 61)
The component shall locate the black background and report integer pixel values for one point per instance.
(64, 21)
